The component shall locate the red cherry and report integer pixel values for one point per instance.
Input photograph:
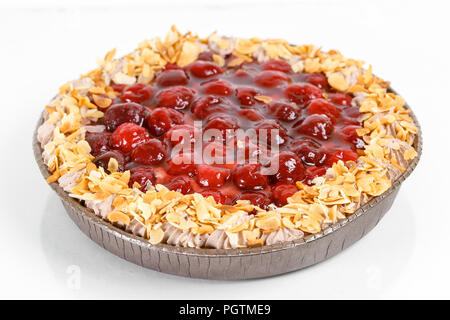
(301, 93)
(258, 199)
(290, 167)
(322, 106)
(348, 133)
(98, 141)
(341, 154)
(138, 93)
(246, 95)
(206, 56)
(250, 114)
(212, 177)
(181, 133)
(265, 128)
(285, 111)
(145, 176)
(277, 65)
(308, 150)
(271, 79)
(103, 159)
(175, 97)
(171, 66)
(120, 113)
(127, 136)
(172, 77)
(283, 191)
(182, 163)
(118, 87)
(162, 119)
(222, 122)
(217, 195)
(206, 105)
(317, 79)
(316, 125)
(249, 176)
(340, 98)
(204, 69)
(151, 152)
(218, 87)
(181, 184)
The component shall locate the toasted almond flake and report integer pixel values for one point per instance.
(50, 109)
(337, 81)
(362, 132)
(309, 225)
(251, 235)
(350, 190)
(411, 127)
(156, 236)
(270, 223)
(97, 90)
(205, 229)
(219, 60)
(54, 177)
(264, 99)
(368, 105)
(113, 165)
(246, 46)
(255, 243)
(239, 227)
(409, 154)
(236, 62)
(110, 55)
(101, 195)
(117, 216)
(356, 88)
(101, 101)
(119, 202)
(65, 88)
(121, 78)
(288, 223)
(189, 53)
(84, 101)
(298, 66)
(312, 65)
(395, 164)
(110, 186)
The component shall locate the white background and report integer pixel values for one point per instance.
(45, 43)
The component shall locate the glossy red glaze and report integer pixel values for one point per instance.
(147, 123)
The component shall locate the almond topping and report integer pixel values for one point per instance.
(101, 101)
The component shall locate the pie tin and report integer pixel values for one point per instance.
(231, 264)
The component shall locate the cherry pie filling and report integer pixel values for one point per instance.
(316, 127)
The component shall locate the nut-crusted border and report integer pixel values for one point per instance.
(309, 210)
(95, 220)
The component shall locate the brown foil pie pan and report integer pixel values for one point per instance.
(231, 264)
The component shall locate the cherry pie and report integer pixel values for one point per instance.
(226, 142)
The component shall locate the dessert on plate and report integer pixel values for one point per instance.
(222, 142)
